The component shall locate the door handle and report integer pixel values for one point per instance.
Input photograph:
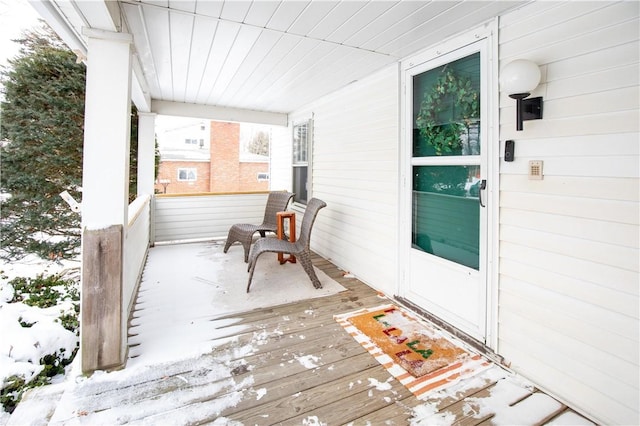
(482, 187)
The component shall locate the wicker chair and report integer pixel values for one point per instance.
(243, 232)
(300, 249)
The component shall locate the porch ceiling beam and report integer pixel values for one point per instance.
(61, 24)
(139, 89)
(50, 12)
(212, 112)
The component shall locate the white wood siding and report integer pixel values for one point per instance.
(355, 171)
(569, 244)
(204, 216)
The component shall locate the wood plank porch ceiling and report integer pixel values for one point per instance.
(271, 56)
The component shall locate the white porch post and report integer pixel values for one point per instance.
(105, 185)
(146, 153)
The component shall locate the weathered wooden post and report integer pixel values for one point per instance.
(105, 185)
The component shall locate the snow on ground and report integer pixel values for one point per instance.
(313, 421)
(21, 348)
(101, 399)
(510, 401)
(178, 317)
(32, 265)
(427, 414)
(307, 361)
(178, 307)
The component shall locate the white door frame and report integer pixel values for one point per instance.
(489, 31)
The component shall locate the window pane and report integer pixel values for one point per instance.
(446, 212)
(446, 109)
(300, 143)
(187, 174)
(300, 184)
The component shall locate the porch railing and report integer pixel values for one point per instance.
(182, 217)
(178, 218)
(136, 245)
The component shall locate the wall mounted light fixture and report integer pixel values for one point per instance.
(518, 79)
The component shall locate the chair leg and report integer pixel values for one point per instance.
(252, 263)
(243, 237)
(252, 266)
(305, 261)
(227, 244)
(247, 247)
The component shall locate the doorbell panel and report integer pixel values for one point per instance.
(509, 148)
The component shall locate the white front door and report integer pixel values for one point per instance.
(445, 219)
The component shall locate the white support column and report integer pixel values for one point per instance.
(105, 184)
(105, 179)
(146, 153)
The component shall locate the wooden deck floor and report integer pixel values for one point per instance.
(305, 369)
(295, 365)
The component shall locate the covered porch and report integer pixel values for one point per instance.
(258, 62)
(555, 291)
(283, 364)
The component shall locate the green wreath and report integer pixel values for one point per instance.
(453, 92)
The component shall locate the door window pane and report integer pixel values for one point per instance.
(446, 109)
(446, 212)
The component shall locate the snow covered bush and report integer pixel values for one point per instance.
(39, 323)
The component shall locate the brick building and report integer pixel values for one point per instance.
(198, 157)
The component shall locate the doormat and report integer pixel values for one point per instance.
(416, 354)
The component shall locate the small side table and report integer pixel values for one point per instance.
(281, 216)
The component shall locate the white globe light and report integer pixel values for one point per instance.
(519, 76)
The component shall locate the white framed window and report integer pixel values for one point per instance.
(193, 141)
(302, 137)
(187, 174)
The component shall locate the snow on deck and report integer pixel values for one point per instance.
(289, 363)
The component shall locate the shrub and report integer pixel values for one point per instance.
(43, 292)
